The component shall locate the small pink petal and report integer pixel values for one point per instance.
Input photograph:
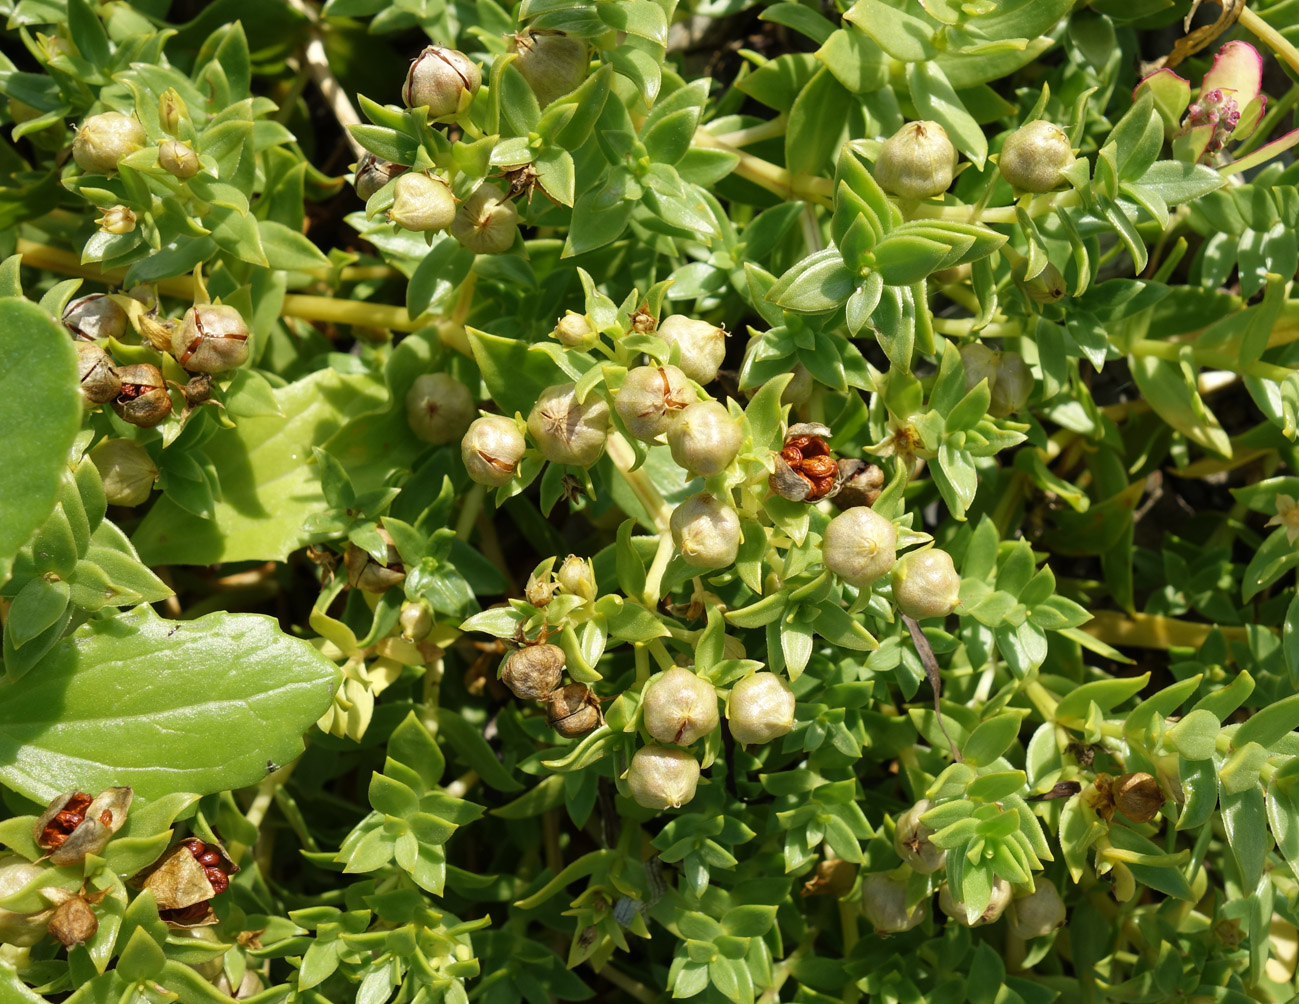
(1237, 70)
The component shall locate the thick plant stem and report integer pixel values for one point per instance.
(1154, 631)
(317, 60)
(772, 177)
(624, 458)
(1279, 44)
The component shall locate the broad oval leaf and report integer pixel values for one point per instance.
(40, 411)
(163, 706)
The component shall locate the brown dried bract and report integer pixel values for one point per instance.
(184, 882)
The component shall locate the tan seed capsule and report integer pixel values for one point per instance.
(439, 408)
(126, 470)
(704, 438)
(99, 378)
(884, 905)
(916, 162)
(1138, 796)
(859, 546)
(573, 711)
(74, 824)
(74, 922)
(486, 222)
(662, 777)
(372, 173)
(1014, 385)
(442, 80)
(679, 707)
(1039, 913)
(370, 576)
(552, 62)
(860, 483)
(577, 576)
(143, 399)
(911, 841)
(706, 532)
(650, 398)
(955, 908)
(703, 345)
(212, 338)
(1034, 157)
(422, 204)
(491, 450)
(926, 584)
(105, 139)
(95, 317)
(178, 159)
(565, 431)
(533, 671)
(760, 709)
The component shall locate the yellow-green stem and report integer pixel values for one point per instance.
(1279, 44)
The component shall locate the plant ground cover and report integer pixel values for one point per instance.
(632, 500)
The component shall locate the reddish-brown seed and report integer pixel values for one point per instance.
(210, 858)
(798, 442)
(194, 846)
(792, 455)
(821, 487)
(819, 467)
(220, 883)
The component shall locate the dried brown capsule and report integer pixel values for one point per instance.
(860, 483)
(442, 80)
(76, 824)
(143, 399)
(185, 881)
(212, 338)
(372, 173)
(74, 922)
(533, 671)
(95, 317)
(99, 378)
(574, 711)
(1138, 796)
(552, 62)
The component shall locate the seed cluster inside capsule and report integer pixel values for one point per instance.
(809, 457)
(72, 815)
